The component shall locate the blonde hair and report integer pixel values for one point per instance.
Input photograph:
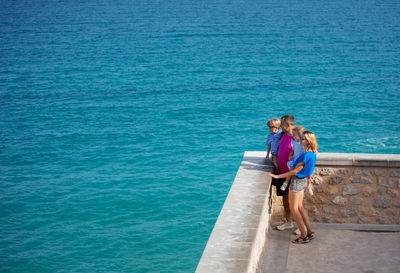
(298, 130)
(312, 141)
(274, 123)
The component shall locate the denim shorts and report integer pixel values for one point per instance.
(298, 184)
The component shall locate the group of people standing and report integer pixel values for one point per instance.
(293, 152)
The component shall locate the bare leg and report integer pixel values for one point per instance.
(287, 208)
(304, 215)
(294, 201)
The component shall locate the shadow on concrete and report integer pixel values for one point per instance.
(256, 163)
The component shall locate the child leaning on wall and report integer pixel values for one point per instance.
(273, 139)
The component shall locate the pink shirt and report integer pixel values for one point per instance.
(285, 146)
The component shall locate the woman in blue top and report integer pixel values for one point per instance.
(304, 168)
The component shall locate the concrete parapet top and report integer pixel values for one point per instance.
(362, 160)
(238, 237)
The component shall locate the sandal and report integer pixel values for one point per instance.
(311, 236)
(301, 240)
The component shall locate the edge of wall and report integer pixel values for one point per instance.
(359, 160)
(238, 238)
(239, 235)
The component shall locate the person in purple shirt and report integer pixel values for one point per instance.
(285, 147)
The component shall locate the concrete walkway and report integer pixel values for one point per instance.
(337, 248)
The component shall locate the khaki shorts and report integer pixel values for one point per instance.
(298, 184)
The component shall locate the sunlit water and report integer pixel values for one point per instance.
(123, 123)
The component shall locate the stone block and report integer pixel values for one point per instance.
(396, 203)
(395, 174)
(390, 212)
(319, 199)
(339, 200)
(368, 191)
(331, 190)
(349, 212)
(386, 182)
(356, 200)
(336, 180)
(330, 210)
(392, 193)
(379, 172)
(369, 212)
(359, 179)
(325, 171)
(350, 190)
(341, 220)
(381, 202)
(361, 172)
(326, 220)
(384, 220)
(340, 171)
(316, 180)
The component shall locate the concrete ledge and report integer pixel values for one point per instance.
(237, 240)
(361, 160)
(239, 236)
(358, 227)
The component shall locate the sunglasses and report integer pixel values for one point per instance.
(301, 138)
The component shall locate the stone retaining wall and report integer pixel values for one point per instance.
(348, 188)
(353, 188)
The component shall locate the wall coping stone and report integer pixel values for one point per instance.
(360, 160)
(238, 238)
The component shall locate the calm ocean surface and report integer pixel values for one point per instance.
(123, 123)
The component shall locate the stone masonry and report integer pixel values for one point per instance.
(350, 193)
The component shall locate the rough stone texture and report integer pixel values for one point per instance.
(355, 200)
(330, 210)
(316, 180)
(350, 190)
(361, 172)
(340, 171)
(392, 193)
(331, 190)
(396, 203)
(381, 202)
(368, 191)
(339, 200)
(349, 212)
(336, 180)
(386, 182)
(344, 185)
(325, 171)
(395, 174)
(369, 212)
(359, 179)
(379, 172)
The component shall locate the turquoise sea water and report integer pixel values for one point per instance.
(123, 123)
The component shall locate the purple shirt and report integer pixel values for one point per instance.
(285, 146)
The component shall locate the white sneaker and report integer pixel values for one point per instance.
(285, 226)
(297, 231)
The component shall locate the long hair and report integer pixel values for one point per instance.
(312, 141)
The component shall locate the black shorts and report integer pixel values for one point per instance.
(277, 182)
